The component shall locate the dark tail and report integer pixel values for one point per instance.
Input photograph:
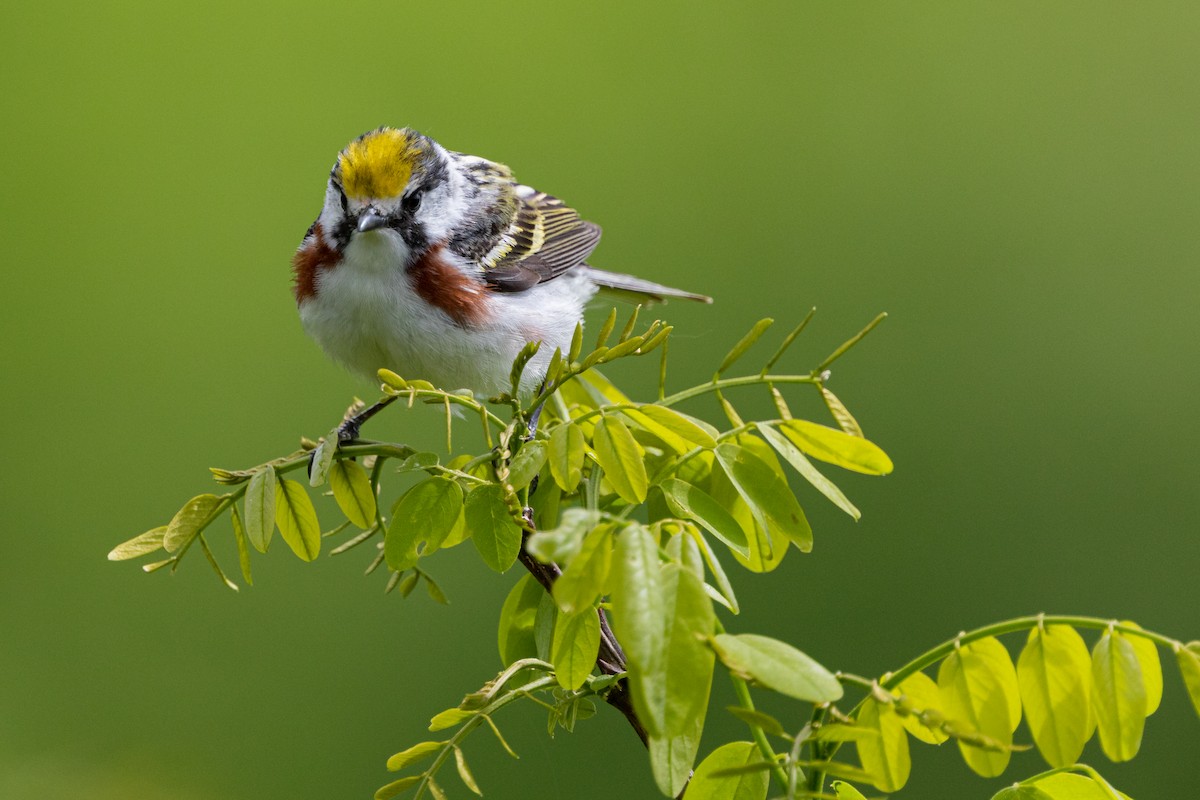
(640, 289)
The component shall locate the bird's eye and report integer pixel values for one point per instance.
(412, 200)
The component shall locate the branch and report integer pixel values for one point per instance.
(611, 659)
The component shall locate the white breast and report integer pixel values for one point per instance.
(366, 315)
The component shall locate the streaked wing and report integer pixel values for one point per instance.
(546, 239)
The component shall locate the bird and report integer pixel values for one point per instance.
(441, 266)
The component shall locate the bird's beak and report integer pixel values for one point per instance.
(370, 220)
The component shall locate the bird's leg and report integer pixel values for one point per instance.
(348, 430)
(533, 421)
(537, 413)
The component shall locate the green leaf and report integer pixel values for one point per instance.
(1054, 672)
(845, 791)
(576, 343)
(639, 621)
(353, 492)
(690, 429)
(464, 772)
(921, 694)
(140, 545)
(1000, 662)
(758, 719)
(777, 666)
(516, 620)
(561, 544)
(748, 786)
(189, 521)
(724, 587)
(496, 534)
(838, 769)
(1147, 655)
(606, 329)
(670, 440)
(212, 562)
(802, 465)
(418, 462)
(671, 758)
(973, 693)
(689, 618)
(886, 756)
(1118, 696)
(1021, 791)
(767, 494)
(526, 463)
(1188, 658)
(396, 788)
(837, 447)
(565, 454)
(849, 343)
(427, 513)
(585, 576)
(841, 414)
(621, 459)
(413, 754)
(260, 508)
(409, 582)
(322, 459)
(691, 502)
(1070, 786)
(765, 553)
(243, 547)
(449, 718)
(659, 615)
(544, 621)
(745, 344)
(574, 648)
(434, 591)
(842, 732)
(297, 519)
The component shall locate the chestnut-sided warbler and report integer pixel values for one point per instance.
(440, 266)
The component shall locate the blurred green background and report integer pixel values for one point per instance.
(1017, 184)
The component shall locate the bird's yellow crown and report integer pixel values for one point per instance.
(378, 164)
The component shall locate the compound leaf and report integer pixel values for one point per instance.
(921, 694)
(1118, 696)
(1147, 655)
(515, 631)
(837, 447)
(427, 513)
(973, 693)
(777, 666)
(885, 756)
(189, 521)
(802, 465)
(413, 754)
(353, 492)
(585, 576)
(766, 493)
(621, 458)
(695, 504)
(565, 453)
(297, 519)
(705, 785)
(574, 647)
(140, 545)
(1188, 659)
(260, 508)
(496, 534)
(1054, 672)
